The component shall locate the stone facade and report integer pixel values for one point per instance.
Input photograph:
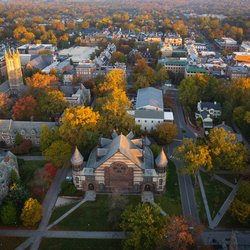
(8, 163)
(14, 70)
(28, 129)
(121, 165)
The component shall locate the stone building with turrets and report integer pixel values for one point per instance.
(121, 164)
(14, 70)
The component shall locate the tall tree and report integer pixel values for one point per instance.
(39, 80)
(194, 156)
(165, 133)
(226, 152)
(179, 235)
(5, 104)
(48, 136)
(58, 153)
(24, 108)
(51, 104)
(145, 227)
(79, 125)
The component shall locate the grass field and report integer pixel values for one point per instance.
(170, 200)
(216, 193)
(91, 216)
(10, 243)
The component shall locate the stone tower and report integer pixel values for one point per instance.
(14, 70)
(77, 166)
(161, 163)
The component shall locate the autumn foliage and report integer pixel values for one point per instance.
(24, 108)
(31, 212)
(40, 81)
(23, 148)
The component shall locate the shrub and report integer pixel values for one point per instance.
(17, 195)
(68, 188)
(23, 148)
(31, 212)
(8, 214)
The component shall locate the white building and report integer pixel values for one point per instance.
(207, 111)
(149, 109)
(245, 46)
(77, 54)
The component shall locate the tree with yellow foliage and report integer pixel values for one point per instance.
(79, 125)
(40, 80)
(114, 79)
(194, 156)
(113, 109)
(31, 212)
(225, 151)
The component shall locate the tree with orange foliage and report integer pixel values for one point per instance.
(24, 108)
(40, 81)
(179, 235)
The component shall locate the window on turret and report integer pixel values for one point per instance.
(160, 182)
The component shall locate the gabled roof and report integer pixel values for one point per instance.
(126, 147)
(149, 97)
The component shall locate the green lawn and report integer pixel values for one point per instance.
(10, 243)
(28, 168)
(216, 193)
(200, 205)
(170, 200)
(91, 216)
(230, 177)
(80, 244)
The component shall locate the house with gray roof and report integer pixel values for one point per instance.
(121, 164)
(207, 111)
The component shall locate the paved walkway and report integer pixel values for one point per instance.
(226, 182)
(32, 158)
(204, 198)
(214, 222)
(48, 205)
(63, 234)
(224, 207)
(89, 196)
(147, 196)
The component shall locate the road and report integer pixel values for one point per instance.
(189, 205)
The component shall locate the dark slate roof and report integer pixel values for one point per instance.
(149, 114)
(126, 147)
(204, 114)
(211, 105)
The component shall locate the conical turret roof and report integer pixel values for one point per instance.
(77, 157)
(161, 160)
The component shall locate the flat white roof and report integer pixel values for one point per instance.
(79, 53)
(169, 116)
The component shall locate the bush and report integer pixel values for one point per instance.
(68, 188)
(23, 148)
(8, 214)
(31, 212)
(18, 139)
(17, 195)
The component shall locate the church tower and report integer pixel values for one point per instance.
(161, 163)
(14, 70)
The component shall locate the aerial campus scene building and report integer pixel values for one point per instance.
(125, 124)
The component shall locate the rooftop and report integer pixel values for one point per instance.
(149, 98)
